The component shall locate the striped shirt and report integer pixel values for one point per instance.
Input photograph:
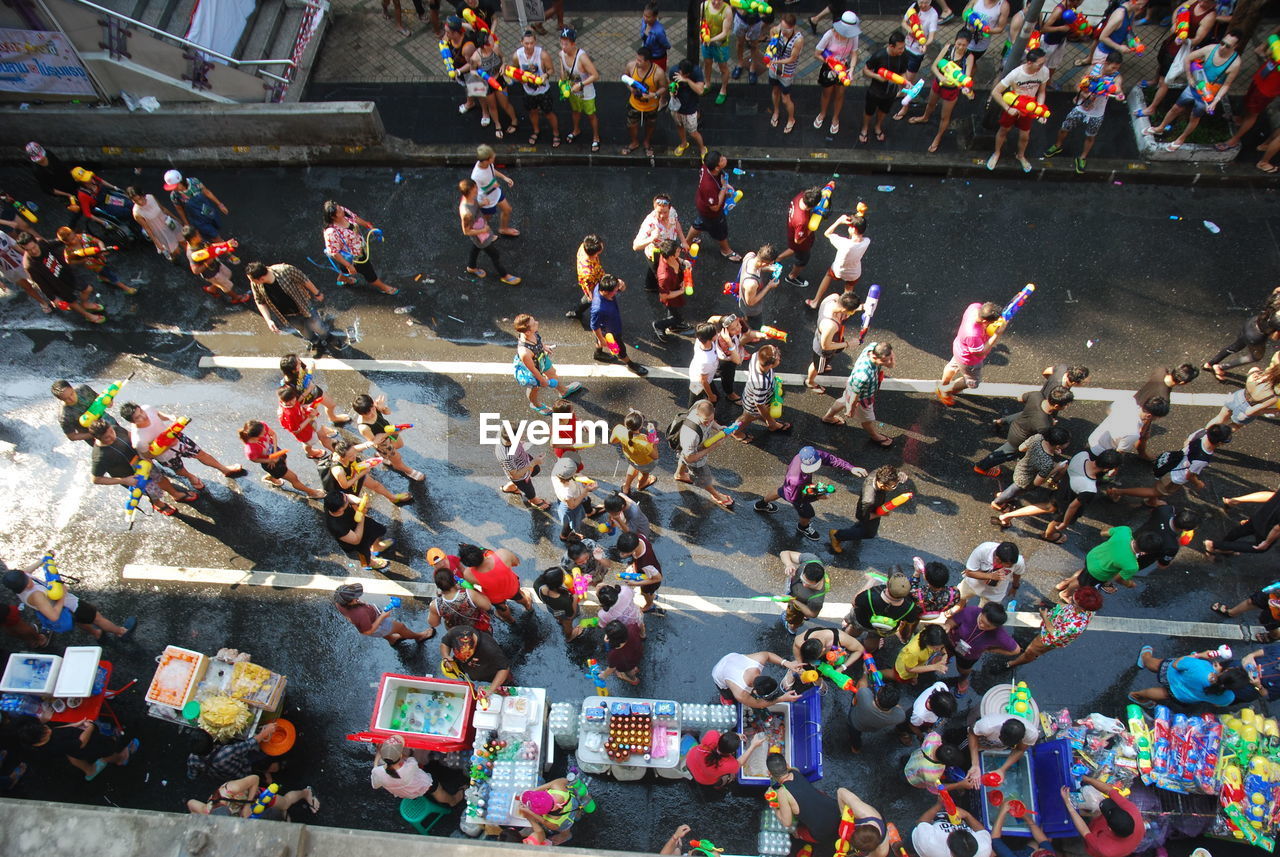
(515, 460)
(759, 387)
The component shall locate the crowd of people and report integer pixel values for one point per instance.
(1199, 57)
(927, 629)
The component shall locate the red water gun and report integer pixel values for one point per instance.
(914, 25)
(732, 289)
(887, 507)
(1033, 41)
(1182, 25)
(1026, 105)
(704, 32)
(514, 74)
(838, 68)
(479, 25)
(215, 251)
(494, 82)
(169, 437)
(1136, 45)
(848, 822)
(770, 332)
(891, 76)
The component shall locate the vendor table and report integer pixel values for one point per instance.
(89, 707)
(212, 677)
(498, 779)
(664, 737)
(428, 713)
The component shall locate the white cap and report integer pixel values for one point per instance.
(172, 179)
(848, 26)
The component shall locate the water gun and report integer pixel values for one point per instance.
(446, 54)
(912, 91)
(1259, 785)
(590, 622)
(1182, 25)
(635, 84)
(771, 332)
(732, 289)
(718, 436)
(869, 307)
(914, 25)
(817, 490)
(362, 507)
(581, 582)
(891, 76)
(836, 656)
(775, 401)
(52, 580)
(687, 281)
(23, 208)
(514, 74)
(771, 797)
(771, 49)
(824, 203)
(848, 822)
(704, 32)
(705, 847)
(974, 21)
(394, 430)
(169, 437)
(606, 529)
(99, 405)
(889, 505)
(948, 804)
(1136, 45)
(1273, 47)
(1141, 740)
(141, 472)
(479, 24)
(732, 200)
(752, 7)
(266, 797)
(954, 73)
(1185, 537)
(1026, 105)
(1211, 739)
(1101, 84)
(495, 83)
(1019, 703)
(1033, 41)
(365, 465)
(895, 841)
(1208, 91)
(91, 250)
(612, 344)
(838, 68)
(873, 672)
(566, 89)
(214, 251)
(1020, 299)
(593, 673)
(633, 576)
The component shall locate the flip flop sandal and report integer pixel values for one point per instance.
(863, 138)
(189, 498)
(887, 443)
(773, 121)
(791, 126)
(785, 427)
(238, 471)
(533, 139)
(595, 145)
(1058, 538)
(880, 138)
(1221, 609)
(996, 522)
(570, 137)
(555, 141)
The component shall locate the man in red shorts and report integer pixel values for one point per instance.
(799, 238)
(1031, 79)
(1263, 90)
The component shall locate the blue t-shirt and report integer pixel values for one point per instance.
(655, 40)
(605, 315)
(1189, 678)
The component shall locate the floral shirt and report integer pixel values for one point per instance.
(590, 271)
(934, 601)
(1066, 622)
(344, 241)
(180, 197)
(654, 231)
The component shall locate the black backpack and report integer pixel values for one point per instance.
(324, 464)
(678, 422)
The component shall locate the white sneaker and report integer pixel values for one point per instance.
(1026, 165)
(993, 160)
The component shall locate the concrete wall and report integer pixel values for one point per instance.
(181, 126)
(39, 829)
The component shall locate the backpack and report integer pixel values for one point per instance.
(678, 422)
(324, 464)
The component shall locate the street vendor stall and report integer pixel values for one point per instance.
(631, 733)
(428, 713)
(62, 688)
(794, 728)
(508, 754)
(228, 695)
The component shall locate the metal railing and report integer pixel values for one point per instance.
(186, 43)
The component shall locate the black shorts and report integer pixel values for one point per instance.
(367, 271)
(826, 77)
(85, 613)
(650, 588)
(822, 359)
(1164, 61)
(277, 468)
(879, 103)
(717, 227)
(1261, 600)
(801, 254)
(542, 102)
(914, 61)
(803, 506)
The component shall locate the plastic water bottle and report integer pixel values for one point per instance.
(885, 188)
(1211, 226)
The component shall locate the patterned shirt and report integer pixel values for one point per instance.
(865, 377)
(226, 762)
(344, 241)
(590, 271)
(1036, 462)
(1066, 622)
(180, 197)
(934, 601)
(10, 255)
(653, 231)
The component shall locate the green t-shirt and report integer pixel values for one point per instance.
(1113, 557)
(715, 18)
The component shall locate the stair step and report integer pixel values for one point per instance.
(261, 29)
(282, 46)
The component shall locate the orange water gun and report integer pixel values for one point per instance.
(1033, 41)
(887, 507)
(687, 282)
(891, 76)
(90, 250)
(214, 251)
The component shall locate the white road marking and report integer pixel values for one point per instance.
(456, 368)
(675, 601)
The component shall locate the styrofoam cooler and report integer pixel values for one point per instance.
(30, 672)
(79, 671)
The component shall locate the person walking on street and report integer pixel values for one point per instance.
(47, 268)
(146, 424)
(712, 194)
(757, 276)
(590, 270)
(196, 204)
(34, 590)
(113, 464)
(476, 227)
(261, 449)
(348, 249)
(799, 237)
(875, 493)
(692, 468)
(606, 324)
(969, 350)
(973, 631)
(364, 539)
(1060, 624)
(286, 299)
(492, 198)
(671, 292)
(158, 223)
(846, 268)
(829, 337)
(1256, 533)
(217, 276)
(993, 572)
(798, 488)
(757, 395)
(1039, 414)
(859, 398)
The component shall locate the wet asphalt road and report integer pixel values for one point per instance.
(1111, 267)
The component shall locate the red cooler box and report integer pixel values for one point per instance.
(428, 713)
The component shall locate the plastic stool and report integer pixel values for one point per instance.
(422, 813)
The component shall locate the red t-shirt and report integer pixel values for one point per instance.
(260, 447)
(626, 658)
(292, 418)
(709, 195)
(670, 278)
(1101, 842)
(1267, 84)
(696, 762)
(498, 583)
(798, 235)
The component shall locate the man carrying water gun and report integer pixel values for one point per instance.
(206, 263)
(113, 464)
(798, 488)
(1102, 83)
(163, 439)
(55, 606)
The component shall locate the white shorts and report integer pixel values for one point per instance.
(13, 275)
(1054, 54)
(1239, 407)
(858, 413)
(753, 32)
(687, 121)
(972, 374)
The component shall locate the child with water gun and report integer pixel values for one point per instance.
(299, 420)
(637, 440)
(373, 425)
(260, 448)
(205, 261)
(561, 594)
(83, 250)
